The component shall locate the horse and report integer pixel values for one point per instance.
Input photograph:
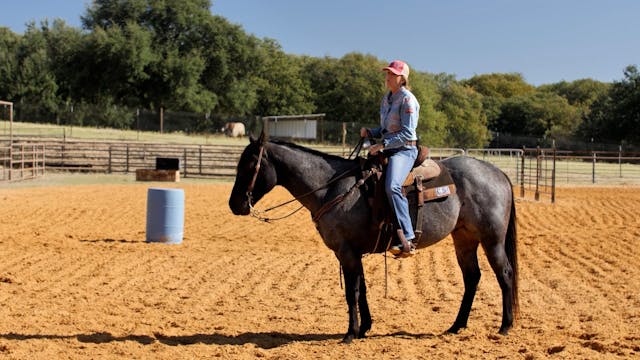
(234, 129)
(481, 212)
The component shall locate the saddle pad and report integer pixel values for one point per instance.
(434, 188)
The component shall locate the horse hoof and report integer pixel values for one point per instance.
(504, 331)
(363, 331)
(453, 330)
(348, 339)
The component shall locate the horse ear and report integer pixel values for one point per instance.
(252, 139)
(263, 137)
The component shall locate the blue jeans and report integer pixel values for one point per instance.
(400, 164)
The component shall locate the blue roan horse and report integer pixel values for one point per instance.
(482, 212)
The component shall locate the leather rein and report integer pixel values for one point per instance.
(323, 210)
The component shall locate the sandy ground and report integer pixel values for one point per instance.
(77, 280)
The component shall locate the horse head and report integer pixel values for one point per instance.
(255, 176)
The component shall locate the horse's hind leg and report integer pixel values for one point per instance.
(467, 255)
(505, 275)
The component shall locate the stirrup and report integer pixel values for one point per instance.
(404, 255)
(399, 251)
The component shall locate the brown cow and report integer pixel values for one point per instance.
(234, 129)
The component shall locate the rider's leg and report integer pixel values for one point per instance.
(400, 164)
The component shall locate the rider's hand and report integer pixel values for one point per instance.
(374, 149)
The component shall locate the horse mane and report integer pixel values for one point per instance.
(307, 150)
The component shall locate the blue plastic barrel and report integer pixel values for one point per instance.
(165, 215)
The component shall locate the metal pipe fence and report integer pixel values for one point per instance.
(533, 171)
(21, 161)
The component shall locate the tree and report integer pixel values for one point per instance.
(432, 124)
(347, 89)
(279, 85)
(499, 85)
(113, 62)
(466, 121)
(234, 62)
(495, 89)
(62, 42)
(617, 115)
(580, 93)
(539, 114)
(9, 45)
(34, 82)
(169, 65)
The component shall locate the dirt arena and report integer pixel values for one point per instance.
(77, 280)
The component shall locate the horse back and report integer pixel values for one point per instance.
(484, 190)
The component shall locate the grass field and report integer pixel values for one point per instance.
(92, 133)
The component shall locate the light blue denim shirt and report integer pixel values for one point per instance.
(399, 114)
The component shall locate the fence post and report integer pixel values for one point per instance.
(620, 159)
(185, 162)
(44, 159)
(538, 173)
(127, 160)
(524, 153)
(593, 169)
(200, 160)
(22, 161)
(34, 164)
(10, 159)
(344, 139)
(553, 175)
(63, 149)
(110, 160)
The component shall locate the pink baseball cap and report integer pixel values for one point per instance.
(398, 67)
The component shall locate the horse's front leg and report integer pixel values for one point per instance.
(356, 295)
(363, 305)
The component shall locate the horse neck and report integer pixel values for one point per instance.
(302, 172)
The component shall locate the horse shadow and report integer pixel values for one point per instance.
(108, 241)
(266, 340)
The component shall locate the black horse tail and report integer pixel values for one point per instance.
(512, 255)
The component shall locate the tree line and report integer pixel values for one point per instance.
(177, 55)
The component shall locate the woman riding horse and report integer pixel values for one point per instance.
(399, 112)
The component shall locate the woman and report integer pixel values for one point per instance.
(399, 113)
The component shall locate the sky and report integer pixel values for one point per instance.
(546, 41)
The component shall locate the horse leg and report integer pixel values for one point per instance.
(363, 305)
(505, 275)
(356, 296)
(467, 255)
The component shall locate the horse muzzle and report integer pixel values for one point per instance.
(239, 206)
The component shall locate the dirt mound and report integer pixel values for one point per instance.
(77, 280)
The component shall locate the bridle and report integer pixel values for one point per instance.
(253, 211)
(252, 184)
(258, 214)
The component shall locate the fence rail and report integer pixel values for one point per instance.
(195, 160)
(534, 171)
(21, 161)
